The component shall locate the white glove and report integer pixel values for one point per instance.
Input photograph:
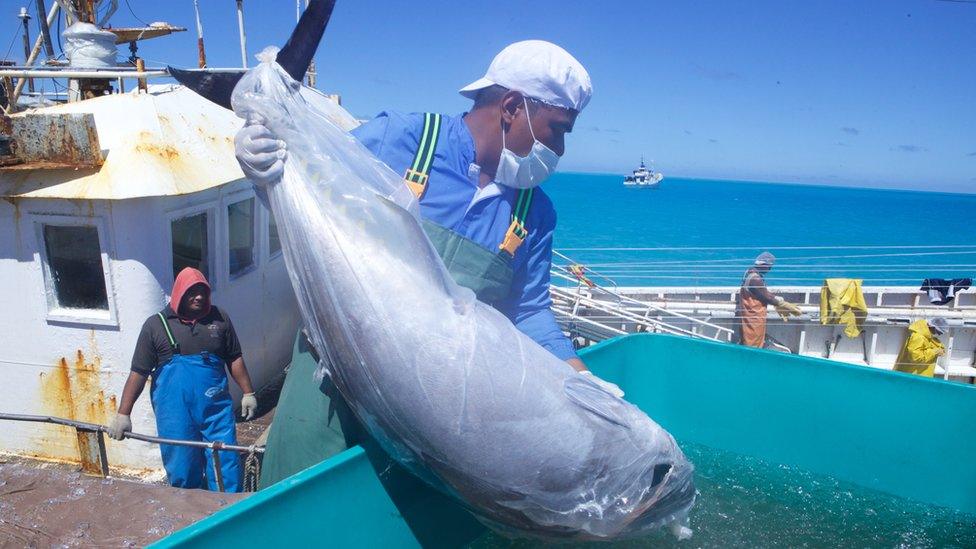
(260, 154)
(604, 384)
(119, 425)
(249, 405)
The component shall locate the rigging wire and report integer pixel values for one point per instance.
(16, 33)
(593, 266)
(798, 258)
(134, 14)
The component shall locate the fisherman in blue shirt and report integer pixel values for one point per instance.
(475, 176)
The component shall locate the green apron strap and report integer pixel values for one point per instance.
(169, 334)
(516, 231)
(416, 174)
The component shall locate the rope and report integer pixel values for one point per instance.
(252, 471)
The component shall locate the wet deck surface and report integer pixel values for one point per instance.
(43, 505)
(249, 432)
(53, 505)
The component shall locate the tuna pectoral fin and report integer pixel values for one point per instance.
(595, 399)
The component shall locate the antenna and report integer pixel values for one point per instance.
(240, 27)
(25, 18)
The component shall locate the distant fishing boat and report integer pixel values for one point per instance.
(644, 177)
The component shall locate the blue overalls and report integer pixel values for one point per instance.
(191, 401)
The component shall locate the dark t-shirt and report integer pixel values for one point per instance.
(213, 333)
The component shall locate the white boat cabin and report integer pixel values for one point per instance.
(89, 250)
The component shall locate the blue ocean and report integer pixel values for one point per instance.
(697, 232)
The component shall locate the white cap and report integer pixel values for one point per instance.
(540, 70)
(938, 325)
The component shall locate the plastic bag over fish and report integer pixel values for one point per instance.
(447, 385)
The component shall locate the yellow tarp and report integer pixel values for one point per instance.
(920, 352)
(842, 302)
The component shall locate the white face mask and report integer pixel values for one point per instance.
(525, 172)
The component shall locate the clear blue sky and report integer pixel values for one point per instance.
(868, 93)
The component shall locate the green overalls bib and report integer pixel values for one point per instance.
(488, 274)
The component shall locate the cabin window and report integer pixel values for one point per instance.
(240, 236)
(191, 246)
(74, 267)
(274, 241)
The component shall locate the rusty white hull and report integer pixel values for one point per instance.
(165, 155)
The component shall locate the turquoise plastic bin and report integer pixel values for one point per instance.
(902, 434)
(338, 502)
(906, 435)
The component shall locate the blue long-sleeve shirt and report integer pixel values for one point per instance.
(454, 201)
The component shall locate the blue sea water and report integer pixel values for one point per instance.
(695, 232)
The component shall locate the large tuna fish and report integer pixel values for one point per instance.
(448, 385)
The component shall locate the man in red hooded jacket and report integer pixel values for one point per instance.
(185, 349)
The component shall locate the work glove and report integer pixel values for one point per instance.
(604, 384)
(260, 154)
(249, 406)
(118, 426)
(785, 309)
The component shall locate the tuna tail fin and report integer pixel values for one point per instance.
(297, 54)
(294, 57)
(215, 86)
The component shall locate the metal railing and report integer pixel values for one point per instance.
(570, 304)
(93, 456)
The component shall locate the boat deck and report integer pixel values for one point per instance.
(708, 312)
(45, 504)
(52, 505)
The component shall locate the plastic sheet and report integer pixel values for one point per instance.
(88, 46)
(446, 384)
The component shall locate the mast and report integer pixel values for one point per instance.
(45, 30)
(201, 53)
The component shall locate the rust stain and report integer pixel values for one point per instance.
(166, 152)
(73, 390)
(59, 139)
(17, 218)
